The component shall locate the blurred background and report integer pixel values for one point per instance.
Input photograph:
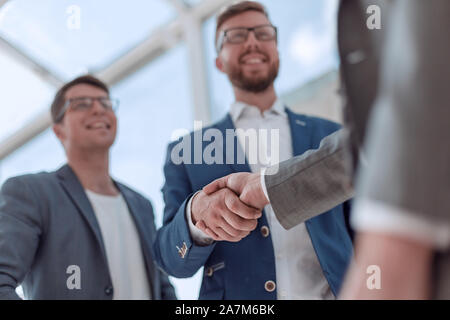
(158, 58)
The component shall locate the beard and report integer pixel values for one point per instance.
(253, 84)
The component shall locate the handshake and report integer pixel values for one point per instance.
(228, 208)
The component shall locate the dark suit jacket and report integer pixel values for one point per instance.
(47, 224)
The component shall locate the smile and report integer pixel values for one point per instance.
(98, 125)
(253, 61)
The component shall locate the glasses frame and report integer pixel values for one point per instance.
(114, 102)
(223, 34)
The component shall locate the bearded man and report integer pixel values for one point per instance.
(245, 252)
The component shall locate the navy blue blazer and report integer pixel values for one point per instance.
(240, 270)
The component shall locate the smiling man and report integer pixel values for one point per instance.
(245, 252)
(76, 233)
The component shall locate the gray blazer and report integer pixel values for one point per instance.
(397, 108)
(47, 224)
(313, 183)
(323, 178)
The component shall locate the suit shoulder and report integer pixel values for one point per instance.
(328, 124)
(135, 193)
(317, 122)
(30, 179)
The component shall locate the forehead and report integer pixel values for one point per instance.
(246, 19)
(83, 90)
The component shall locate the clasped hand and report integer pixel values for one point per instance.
(228, 208)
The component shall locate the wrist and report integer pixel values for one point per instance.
(262, 186)
(194, 208)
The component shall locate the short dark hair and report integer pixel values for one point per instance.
(238, 8)
(59, 100)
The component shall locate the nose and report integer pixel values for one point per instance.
(97, 107)
(252, 42)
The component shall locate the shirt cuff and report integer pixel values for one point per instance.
(263, 183)
(200, 238)
(375, 216)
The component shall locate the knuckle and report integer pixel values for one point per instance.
(233, 204)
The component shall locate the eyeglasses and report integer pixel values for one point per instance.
(240, 35)
(86, 103)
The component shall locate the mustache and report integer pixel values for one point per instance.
(241, 57)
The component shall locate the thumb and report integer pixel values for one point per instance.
(216, 185)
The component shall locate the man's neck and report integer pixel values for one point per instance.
(92, 169)
(263, 100)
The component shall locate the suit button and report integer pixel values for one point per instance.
(108, 290)
(209, 272)
(270, 286)
(265, 231)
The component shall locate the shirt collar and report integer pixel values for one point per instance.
(238, 107)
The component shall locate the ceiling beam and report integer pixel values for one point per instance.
(180, 5)
(2, 2)
(31, 64)
(159, 42)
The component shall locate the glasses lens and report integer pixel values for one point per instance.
(107, 103)
(265, 33)
(112, 104)
(81, 103)
(237, 35)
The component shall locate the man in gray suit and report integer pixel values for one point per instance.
(76, 233)
(403, 204)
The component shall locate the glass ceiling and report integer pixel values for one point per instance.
(70, 37)
(23, 94)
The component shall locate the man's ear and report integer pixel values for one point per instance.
(219, 64)
(59, 132)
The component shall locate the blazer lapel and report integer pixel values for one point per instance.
(233, 154)
(301, 133)
(75, 191)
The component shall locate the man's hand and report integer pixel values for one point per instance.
(246, 185)
(222, 216)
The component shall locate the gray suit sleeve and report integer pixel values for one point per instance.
(308, 185)
(408, 138)
(20, 230)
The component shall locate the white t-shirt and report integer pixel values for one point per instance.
(122, 245)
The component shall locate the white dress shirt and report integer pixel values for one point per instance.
(374, 216)
(298, 272)
(122, 245)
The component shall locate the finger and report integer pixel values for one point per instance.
(212, 234)
(230, 230)
(239, 223)
(201, 225)
(234, 204)
(225, 236)
(216, 185)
